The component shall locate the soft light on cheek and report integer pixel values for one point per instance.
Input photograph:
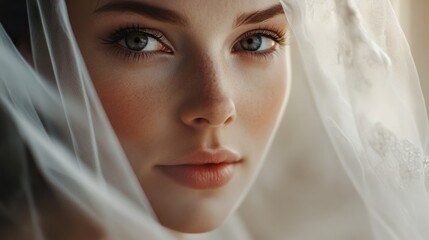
(265, 101)
(135, 119)
(260, 104)
(127, 106)
(132, 93)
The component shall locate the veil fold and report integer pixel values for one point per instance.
(61, 121)
(367, 92)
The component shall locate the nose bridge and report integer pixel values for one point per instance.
(209, 103)
(211, 79)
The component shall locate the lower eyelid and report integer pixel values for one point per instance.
(129, 55)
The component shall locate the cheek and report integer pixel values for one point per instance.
(131, 113)
(130, 95)
(123, 112)
(264, 102)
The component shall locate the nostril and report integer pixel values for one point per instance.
(229, 120)
(200, 121)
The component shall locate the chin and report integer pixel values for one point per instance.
(197, 218)
(188, 210)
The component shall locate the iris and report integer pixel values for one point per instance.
(136, 41)
(252, 43)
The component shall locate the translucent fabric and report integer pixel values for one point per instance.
(367, 92)
(362, 79)
(60, 119)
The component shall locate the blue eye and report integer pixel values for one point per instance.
(258, 42)
(139, 41)
(252, 43)
(136, 41)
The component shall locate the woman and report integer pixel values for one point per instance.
(183, 87)
(193, 96)
(193, 108)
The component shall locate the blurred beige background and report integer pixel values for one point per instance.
(414, 18)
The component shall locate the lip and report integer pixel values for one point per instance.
(203, 168)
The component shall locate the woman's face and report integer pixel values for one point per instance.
(194, 91)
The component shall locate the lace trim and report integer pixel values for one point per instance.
(410, 162)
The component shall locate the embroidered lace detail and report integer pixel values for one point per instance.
(314, 7)
(411, 164)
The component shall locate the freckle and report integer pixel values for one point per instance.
(208, 68)
(210, 76)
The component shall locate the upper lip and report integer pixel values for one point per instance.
(207, 156)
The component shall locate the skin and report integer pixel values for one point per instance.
(199, 94)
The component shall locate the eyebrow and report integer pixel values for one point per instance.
(259, 16)
(144, 9)
(170, 16)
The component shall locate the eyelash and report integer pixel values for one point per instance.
(273, 33)
(116, 36)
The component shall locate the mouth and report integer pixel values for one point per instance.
(203, 168)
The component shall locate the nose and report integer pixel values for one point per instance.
(218, 112)
(208, 102)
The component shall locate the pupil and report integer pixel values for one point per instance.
(136, 41)
(251, 43)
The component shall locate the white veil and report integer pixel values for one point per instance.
(367, 92)
(60, 119)
(363, 82)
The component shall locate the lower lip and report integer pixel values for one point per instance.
(207, 176)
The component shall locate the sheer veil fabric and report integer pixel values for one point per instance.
(371, 106)
(322, 202)
(362, 80)
(67, 131)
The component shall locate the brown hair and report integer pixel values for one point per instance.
(13, 17)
